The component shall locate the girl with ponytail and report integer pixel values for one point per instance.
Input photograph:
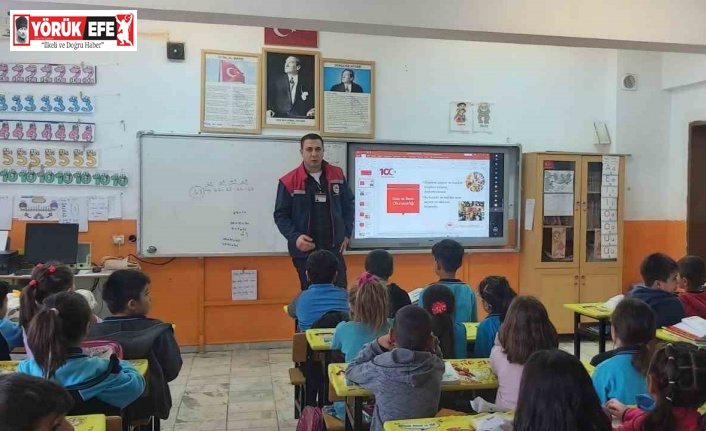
(46, 280)
(55, 335)
(440, 303)
(676, 379)
(496, 295)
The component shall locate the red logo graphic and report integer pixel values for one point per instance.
(231, 73)
(387, 172)
(289, 37)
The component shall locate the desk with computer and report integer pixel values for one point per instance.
(49, 242)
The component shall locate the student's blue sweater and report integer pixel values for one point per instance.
(618, 378)
(318, 300)
(350, 337)
(119, 389)
(485, 337)
(667, 306)
(12, 333)
(460, 342)
(465, 300)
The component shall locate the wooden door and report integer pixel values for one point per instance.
(599, 285)
(696, 192)
(555, 287)
(558, 210)
(601, 233)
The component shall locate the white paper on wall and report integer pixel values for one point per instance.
(244, 284)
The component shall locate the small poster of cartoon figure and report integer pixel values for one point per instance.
(38, 208)
(459, 116)
(483, 117)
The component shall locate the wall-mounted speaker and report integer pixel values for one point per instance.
(176, 51)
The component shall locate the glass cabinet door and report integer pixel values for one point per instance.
(600, 211)
(559, 215)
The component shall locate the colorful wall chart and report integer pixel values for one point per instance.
(44, 73)
(46, 103)
(49, 157)
(61, 131)
(64, 177)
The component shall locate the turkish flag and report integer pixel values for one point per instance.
(231, 73)
(290, 37)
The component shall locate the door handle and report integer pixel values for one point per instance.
(576, 280)
(583, 280)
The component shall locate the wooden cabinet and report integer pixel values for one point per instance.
(574, 250)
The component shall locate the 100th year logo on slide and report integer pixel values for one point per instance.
(61, 30)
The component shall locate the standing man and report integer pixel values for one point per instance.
(314, 209)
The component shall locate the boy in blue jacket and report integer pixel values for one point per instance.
(448, 257)
(10, 332)
(659, 272)
(322, 296)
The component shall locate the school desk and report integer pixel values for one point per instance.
(476, 374)
(88, 422)
(594, 310)
(7, 367)
(319, 340)
(447, 423)
(664, 335)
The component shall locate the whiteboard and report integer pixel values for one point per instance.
(203, 195)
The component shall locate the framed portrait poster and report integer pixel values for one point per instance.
(291, 92)
(230, 92)
(348, 103)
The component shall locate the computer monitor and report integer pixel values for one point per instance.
(45, 242)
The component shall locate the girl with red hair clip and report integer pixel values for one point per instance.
(440, 303)
(46, 280)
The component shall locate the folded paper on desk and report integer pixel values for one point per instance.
(613, 302)
(451, 376)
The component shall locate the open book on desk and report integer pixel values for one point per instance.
(451, 376)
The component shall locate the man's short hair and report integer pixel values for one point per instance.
(122, 286)
(657, 267)
(412, 328)
(321, 267)
(449, 254)
(299, 62)
(312, 136)
(379, 263)
(348, 70)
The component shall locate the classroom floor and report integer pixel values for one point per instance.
(248, 390)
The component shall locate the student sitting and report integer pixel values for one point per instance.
(46, 280)
(659, 272)
(368, 303)
(127, 294)
(677, 381)
(31, 403)
(526, 329)
(496, 295)
(692, 275)
(380, 264)
(439, 303)
(10, 333)
(448, 257)
(621, 373)
(55, 335)
(556, 395)
(322, 296)
(403, 369)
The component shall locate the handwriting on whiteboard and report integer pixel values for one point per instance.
(199, 191)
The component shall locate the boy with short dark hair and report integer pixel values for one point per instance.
(692, 275)
(448, 257)
(659, 273)
(322, 296)
(128, 297)
(380, 264)
(403, 369)
(10, 332)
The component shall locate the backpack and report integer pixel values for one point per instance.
(312, 419)
(102, 349)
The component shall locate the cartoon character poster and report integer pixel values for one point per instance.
(460, 116)
(44, 73)
(483, 117)
(61, 131)
(45, 103)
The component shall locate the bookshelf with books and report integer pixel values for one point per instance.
(572, 248)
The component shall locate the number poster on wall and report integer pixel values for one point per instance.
(67, 177)
(49, 157)
(44, 73)
(60, 131)
(45, 103)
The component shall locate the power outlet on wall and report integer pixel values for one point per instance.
(119, 239)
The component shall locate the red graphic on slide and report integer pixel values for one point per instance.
(403, 198)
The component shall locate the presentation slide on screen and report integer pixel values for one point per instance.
(404, 194)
